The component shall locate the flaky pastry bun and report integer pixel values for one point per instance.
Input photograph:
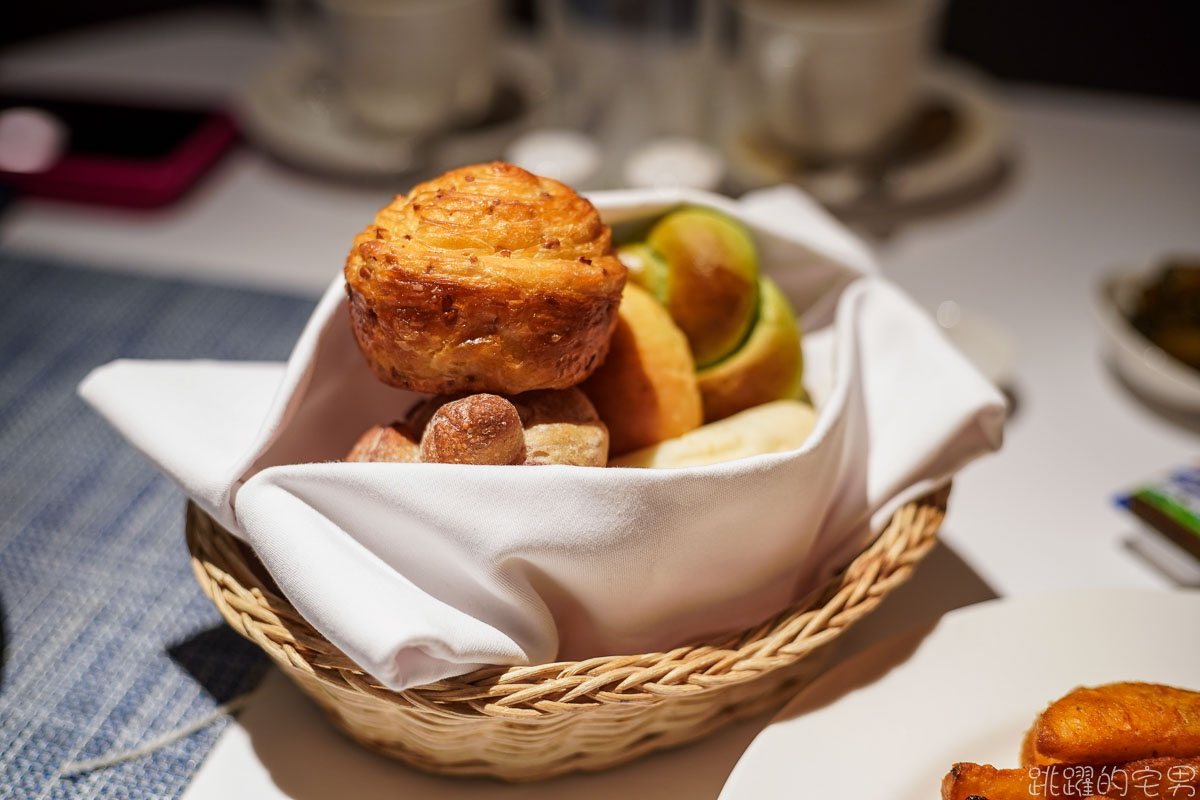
(486, 279)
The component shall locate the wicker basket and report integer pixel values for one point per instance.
(530, 723)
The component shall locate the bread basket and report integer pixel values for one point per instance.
(535, 722)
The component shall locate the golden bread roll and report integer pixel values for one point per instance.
(645, 391)
(769, 428)
(769, 365)
(477, 429)
(393, 442)
(562, 427)
(486, 279)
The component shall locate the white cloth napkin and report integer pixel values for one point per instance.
(424, 571)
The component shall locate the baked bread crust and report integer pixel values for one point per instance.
(646, 390)
(562, 427)
(486, 279)
(394, 442)
(477, 429)
(549, 426)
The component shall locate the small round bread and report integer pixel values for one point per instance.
(562, 427)
(478, 429)
(646, 390)
(486, 279)
(386, 443)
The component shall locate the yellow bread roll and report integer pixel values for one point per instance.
(645, 391)
(769, 428)
(769, 365)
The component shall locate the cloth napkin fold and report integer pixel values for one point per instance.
(424, 571)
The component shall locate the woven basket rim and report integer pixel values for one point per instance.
(238, 584)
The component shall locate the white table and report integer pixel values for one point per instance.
(1101, 181)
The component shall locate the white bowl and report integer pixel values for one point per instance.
(1144, 365)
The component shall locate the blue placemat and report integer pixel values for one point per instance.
(107, 639)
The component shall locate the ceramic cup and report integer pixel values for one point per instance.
(404, 66)
(832, 78)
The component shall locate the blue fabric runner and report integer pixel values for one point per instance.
(107, 640)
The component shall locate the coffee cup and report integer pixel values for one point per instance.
(403, 66)
(832, 79)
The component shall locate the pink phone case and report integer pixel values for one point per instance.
(131, 182)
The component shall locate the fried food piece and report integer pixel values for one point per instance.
(966, 781)
(1136, 780)
(1119, 722)
(485, 279)
(1029, 752)
(478, 429)
(393, 442)
(1030, 755)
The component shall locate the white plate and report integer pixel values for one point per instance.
(890, 722)
(1142, 364)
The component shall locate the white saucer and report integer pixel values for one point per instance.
(892, 720)
(291, 109)
(972, 151)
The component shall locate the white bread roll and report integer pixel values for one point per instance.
(769, 428)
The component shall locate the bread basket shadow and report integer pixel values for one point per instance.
(535, 722)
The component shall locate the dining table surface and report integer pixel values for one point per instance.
(1096, 182)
